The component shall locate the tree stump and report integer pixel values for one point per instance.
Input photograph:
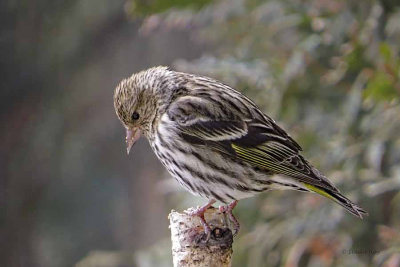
(189, 245)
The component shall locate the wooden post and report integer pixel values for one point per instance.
(189, 245)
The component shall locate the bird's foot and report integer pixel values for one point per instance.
(228, 209)
(199, 212)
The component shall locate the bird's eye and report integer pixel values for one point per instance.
(135, 116)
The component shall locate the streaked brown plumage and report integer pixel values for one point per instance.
(215, 141)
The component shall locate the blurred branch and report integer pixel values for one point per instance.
(189, 247)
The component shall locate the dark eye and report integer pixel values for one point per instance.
(135, 116)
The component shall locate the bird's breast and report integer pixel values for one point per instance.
(200, 169)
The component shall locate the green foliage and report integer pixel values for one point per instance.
(384, 83)
(356, 60)
(386, 52)
(381, 87)
(148, 7)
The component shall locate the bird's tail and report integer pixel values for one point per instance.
(338, 198)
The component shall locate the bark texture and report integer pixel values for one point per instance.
(189, 245)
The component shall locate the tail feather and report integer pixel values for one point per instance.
(338, 198)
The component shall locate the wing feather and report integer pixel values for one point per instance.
(255, 140)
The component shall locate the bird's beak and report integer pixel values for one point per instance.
(132, 135)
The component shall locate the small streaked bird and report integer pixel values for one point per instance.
(215, 141)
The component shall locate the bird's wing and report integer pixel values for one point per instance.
(259, 142)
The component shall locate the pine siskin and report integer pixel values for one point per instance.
(215, 141)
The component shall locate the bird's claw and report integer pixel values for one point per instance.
(228, 210)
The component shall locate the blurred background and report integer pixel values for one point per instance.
(327, 71)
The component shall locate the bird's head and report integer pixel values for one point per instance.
(137, 100)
